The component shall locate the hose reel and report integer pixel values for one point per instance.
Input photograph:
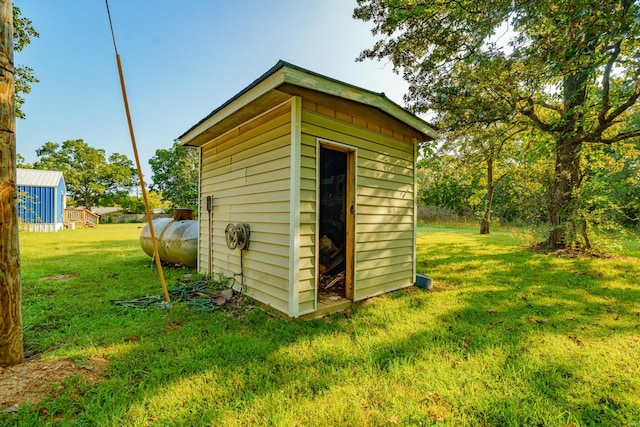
(237, 235)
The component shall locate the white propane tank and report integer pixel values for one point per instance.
(177, 240)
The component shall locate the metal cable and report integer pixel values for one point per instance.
(113, 34)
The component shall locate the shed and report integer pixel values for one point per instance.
(323, 174)
(42, 199)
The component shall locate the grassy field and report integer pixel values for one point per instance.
(507, 337)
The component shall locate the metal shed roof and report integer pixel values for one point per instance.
(39, 178)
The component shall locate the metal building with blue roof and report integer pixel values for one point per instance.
(41, 199)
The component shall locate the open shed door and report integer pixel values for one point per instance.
(336, 224)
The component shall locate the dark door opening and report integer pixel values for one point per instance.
(336, 212)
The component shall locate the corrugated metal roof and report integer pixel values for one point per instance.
(39, 178)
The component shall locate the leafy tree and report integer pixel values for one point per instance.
(88, 174)
(570, 68)
(155, 201)
(445, 180)
(457, 176)
(610, 188)
(175, 174)
(24, 76)
(487, 147)
(526, 191)
(22, 163)
(134, 204)
(120, 175)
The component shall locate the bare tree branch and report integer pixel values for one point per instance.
(548, 106)
(530, 113)
(620, 137)
(606, 84)
(626, 105)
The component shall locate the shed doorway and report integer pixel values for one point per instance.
(336, 224)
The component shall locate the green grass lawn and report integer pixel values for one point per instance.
(507, 337)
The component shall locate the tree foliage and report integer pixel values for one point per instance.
(491, 175)
(133, 204)
(570, 69)
(489, 148)
(610, 192)
(446, 181)
(21, 162)
(23, 32)
(175, 174)
(88, 174)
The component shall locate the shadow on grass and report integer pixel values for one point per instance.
(491, 313)
(516, 299)
(550, 291)
(67, 313)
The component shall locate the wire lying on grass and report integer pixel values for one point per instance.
(193, 295)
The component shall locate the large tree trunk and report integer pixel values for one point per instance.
(567, 172)
(563, 204)
(11, 341)
(485, 225)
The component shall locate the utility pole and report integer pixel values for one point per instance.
(11, 340)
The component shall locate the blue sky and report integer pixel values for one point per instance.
(181, 60)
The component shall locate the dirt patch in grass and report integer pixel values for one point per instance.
(238, 306)
(58, 277)
(32, 381)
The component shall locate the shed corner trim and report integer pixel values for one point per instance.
(294, 223)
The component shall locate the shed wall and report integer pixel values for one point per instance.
(385, 192)
(307, 263)
(42, 208)
(247, 171)
(36, 204)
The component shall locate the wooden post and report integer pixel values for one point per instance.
(11, 341)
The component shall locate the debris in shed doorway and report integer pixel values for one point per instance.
(332, 287)
(339, 277)
(330, 256)
(332, 227)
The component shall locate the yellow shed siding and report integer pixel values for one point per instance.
(249, 169)
(259, 158)
(248, 172)
(385, 194)
(307, 253)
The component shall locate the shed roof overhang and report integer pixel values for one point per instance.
(264, 94)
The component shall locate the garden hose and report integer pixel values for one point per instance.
(193, 295)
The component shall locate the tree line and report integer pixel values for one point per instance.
(93, 179)
(567, 72)
(509, 179)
